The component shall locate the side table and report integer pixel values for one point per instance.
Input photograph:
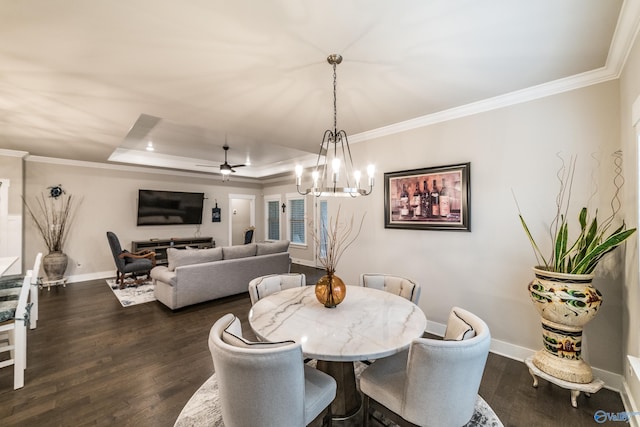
(575, 388)
(50, 283)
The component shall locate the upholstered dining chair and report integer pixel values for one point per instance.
(129, 263)
(265, 383)
(435, 382)
(401, 286)
(262, 286)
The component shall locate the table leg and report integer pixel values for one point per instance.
(574, 398)
(535, 379)
(347, 402)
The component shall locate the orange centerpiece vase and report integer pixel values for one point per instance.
(330, 290)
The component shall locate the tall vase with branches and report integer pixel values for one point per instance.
(53, 216)
(338, 236)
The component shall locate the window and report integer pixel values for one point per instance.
(296, 210)
(323, 225)
(272, 217)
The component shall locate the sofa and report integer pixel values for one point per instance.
(197, 275)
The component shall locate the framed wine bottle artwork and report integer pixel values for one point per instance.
(434, 198)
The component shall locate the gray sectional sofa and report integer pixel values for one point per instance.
(197, 275)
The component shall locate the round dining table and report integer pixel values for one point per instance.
(369, 324)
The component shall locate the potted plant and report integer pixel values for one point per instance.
(53, 215)
(562, 290)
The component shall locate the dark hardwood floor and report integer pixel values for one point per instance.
(93, 362)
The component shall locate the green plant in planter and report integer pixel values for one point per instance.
(593, 241)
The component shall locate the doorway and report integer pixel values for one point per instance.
(242, 214)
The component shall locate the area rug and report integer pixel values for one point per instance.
(133, 294)
(203, 409)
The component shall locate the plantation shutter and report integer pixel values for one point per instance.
(296, 221)
(273, 221)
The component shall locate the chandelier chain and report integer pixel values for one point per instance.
(335, 103)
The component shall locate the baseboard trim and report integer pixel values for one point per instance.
(91, 276)
(612, 381)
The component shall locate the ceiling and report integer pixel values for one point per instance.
(97, 80)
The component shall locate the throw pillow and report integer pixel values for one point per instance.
(232, 335)
(458, 329)
(266, 248)
(180, 257)
(239, 251)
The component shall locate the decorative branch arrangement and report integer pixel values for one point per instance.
(53, 217)
(339, 238)
(583, 255)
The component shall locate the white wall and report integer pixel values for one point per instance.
(487, 270)
(109, 203)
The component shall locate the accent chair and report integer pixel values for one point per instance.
(129, 263)
(266, 383)
(435, 382)
(248, 235)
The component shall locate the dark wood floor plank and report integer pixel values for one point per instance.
(93, 362)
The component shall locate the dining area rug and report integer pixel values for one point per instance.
(132, 294)
(203, 409)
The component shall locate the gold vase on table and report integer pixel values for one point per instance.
(330, 290)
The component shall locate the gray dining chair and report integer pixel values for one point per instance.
(262, 286)
(266, 383)
(401, 286)
(435, 382)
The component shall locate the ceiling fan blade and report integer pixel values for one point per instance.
(237, 166)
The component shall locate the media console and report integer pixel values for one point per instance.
(160, 246)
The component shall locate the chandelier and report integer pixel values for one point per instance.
(334, 160)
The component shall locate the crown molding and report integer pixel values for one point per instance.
(13, 153)
(625, 34)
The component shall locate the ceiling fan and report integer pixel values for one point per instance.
(226, 168)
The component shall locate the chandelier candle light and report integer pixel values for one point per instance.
(325, 181)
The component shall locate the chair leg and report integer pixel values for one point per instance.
(34, 308)
(20, 360)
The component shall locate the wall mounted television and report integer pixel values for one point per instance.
(169, 207)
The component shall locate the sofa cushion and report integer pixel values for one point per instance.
(239, 251)
(458, 329)
(265, 248)
(180, 257)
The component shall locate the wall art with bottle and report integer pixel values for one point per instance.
(433, 198)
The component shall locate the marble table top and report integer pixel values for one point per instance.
(368, 324)
(6, 262)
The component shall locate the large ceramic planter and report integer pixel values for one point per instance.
(566, 303)
(330, 290)
(54, 265)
